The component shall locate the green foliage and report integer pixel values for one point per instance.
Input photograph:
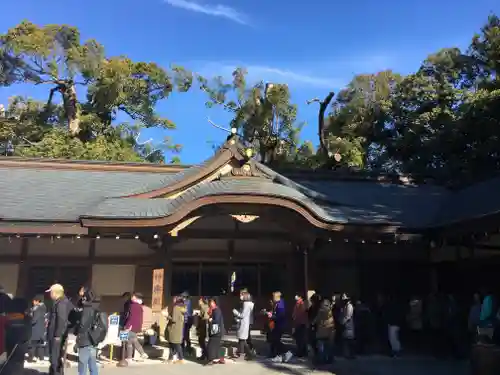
(359, 115)
(262, 114)
(54, 55)
(441, 121)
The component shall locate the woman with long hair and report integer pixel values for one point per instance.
(175, 328)
(215, 333)
(201, 327)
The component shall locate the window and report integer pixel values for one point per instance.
(40, 279)
(214, 280)
(185, 279)
(272, 278)
(246, 277)
(73, 278)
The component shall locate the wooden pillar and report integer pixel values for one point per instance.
(23, 271)
(305, 255)
(230, 254)
(358, 264)
(92, 248)
(200, 279)
(433, 274)
(259, 280)
(301, 270)
(166, 262)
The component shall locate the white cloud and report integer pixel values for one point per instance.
(216, 10)
(268, 73)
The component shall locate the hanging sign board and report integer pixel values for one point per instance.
(157, 294)
(113, 329)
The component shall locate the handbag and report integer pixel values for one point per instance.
(214, 329)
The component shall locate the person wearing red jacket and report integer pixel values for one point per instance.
(300, 326)
(133, 325)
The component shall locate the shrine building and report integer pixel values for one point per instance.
(233, 222)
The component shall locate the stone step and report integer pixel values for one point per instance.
(162, 351)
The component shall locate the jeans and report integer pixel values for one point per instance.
(277, 346)
(213, 348)
(175, 349)
(87, 359)
(300, 336)
(186, 337)
(56, 353)
(36, 350)
(249, 339)
(133, 343)
(393, 333)
(243, 348)
(324, 351)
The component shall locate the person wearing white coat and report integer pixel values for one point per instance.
(244, 317)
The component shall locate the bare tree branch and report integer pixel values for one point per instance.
(323, 105)
(218, 126)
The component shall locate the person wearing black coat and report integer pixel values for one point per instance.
(87, 350)
(215, 333)
(38, 311)
(58, 326)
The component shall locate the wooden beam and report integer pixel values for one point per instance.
(232, 235)
(77, 260)
(34, 228)
(23, 272)
(91, 256)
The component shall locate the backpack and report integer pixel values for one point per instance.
(99, 328)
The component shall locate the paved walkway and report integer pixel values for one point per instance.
(360, 366)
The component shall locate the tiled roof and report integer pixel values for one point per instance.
(43, 194)
(154, 208)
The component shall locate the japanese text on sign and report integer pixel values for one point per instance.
(123, 336)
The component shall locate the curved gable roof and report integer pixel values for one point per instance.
(67, 191)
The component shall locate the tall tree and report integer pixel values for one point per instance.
(93, 88)
(262, 113)
(357, 120)
(440, 122)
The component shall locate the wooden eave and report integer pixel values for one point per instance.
(42, 228)
(190, 208)
(54, 164)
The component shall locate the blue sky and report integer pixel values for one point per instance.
(314, 46)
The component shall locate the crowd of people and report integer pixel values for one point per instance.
(437, 325)
(51, 326)
(209, 326)
(322, 327)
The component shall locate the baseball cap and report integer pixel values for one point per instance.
(55, 288)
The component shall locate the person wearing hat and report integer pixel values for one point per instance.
(57, 327)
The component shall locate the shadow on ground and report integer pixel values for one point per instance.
(31, 372)
(376, 366)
